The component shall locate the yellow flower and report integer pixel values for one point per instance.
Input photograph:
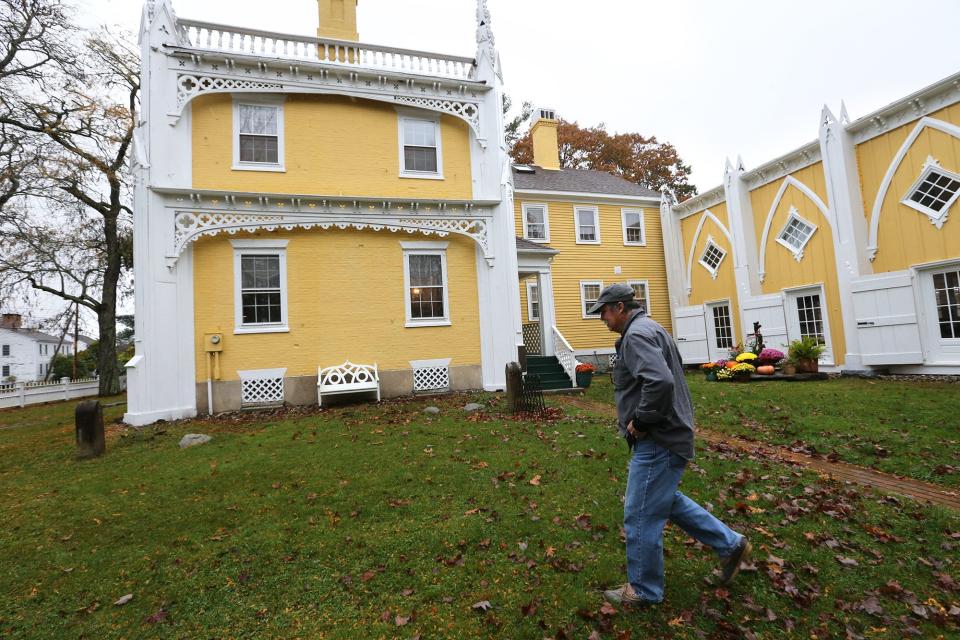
(746, 356)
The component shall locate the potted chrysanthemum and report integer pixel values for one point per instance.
(585, 372)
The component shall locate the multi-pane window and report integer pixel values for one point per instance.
(633, 226)
(640, 294)
(946, 289)
(796, 233)
(712, 257)
(535, 222)
(587, 223)
(260, 289)
(934, 192)
(258, 128)
(6, 350)
(589, 292)
(533, 302)
(421, 149)
(810, 315)
(723, 329)
(6, 371)
(426, 286)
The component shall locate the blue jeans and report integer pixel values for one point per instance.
(652, 498)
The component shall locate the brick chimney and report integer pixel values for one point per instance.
(11, 321)
(338, 20)
(546, 144)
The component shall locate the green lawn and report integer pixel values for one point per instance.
(382, 522)
(909, 428)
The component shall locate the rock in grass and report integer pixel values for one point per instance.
(432, 410)
(473, 406)
(192, 439)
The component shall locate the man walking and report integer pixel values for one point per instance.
(655, 415)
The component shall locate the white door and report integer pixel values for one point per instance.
(690, 332)
(720, 328)
(940, 292)
(807, 318)
(886, 316)
(768, 311)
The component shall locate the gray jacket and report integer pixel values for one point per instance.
(650, 388)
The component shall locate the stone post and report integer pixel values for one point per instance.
(89, 422)
(514, 381)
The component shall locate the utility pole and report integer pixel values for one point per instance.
(76, 337)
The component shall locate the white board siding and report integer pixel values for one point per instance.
(886, 312)
(690, 332)
(768, 311)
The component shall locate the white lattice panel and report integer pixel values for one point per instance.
(431, 378)
(261, 387)
(613, 360)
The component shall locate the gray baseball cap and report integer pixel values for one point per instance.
(616, 292)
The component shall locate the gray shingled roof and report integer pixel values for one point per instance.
(34, 335)
(526, 245)
(578, 181)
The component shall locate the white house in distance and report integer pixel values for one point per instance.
(25, 354)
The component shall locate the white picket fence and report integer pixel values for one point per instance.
(21, 394)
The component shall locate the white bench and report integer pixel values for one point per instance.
(347, 378)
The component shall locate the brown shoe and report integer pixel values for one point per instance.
(730, 566)
(626, 598)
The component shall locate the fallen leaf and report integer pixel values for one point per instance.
(123, 600)
(607, 609)
(401, 620)
(535, 480)
(483, 605)
(847, 562)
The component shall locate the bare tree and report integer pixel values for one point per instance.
(66, 222)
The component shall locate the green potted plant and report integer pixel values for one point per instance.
(585, 373)
(806, 352)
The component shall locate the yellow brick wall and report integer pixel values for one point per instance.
(704, 287)
(577, 262)
(818, 265)
(334, 145)
(906, 236)
(346, 301)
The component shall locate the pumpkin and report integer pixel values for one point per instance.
(766, 370)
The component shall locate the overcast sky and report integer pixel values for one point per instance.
(716, 79)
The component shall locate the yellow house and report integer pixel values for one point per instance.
(846, 240)
(302, 202)
(579, 231)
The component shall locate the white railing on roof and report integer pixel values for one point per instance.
(223, 38)
(565, 355)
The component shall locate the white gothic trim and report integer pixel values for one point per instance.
(696, 239)
(933, 123)
(199, 214)
(805, 190)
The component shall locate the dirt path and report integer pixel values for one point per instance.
(842, 471)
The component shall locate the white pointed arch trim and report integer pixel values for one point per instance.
(947, 128)
(707, 214)
(805, 190)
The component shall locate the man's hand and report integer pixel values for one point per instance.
(633, 432)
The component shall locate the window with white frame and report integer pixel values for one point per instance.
(587, 221)
(425, 283)
(640, 294)
(589, 293)
(258, 134)
(722, 326)
(946, 290)
(420, 153)
(6, 350)
(712, 256)
(260, 286)
(633, 232)
(536, 226)
(533, 302)
(810, 317)
(934, 191)
(796, 234)
(6, 371)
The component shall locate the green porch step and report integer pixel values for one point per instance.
(552, 375)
